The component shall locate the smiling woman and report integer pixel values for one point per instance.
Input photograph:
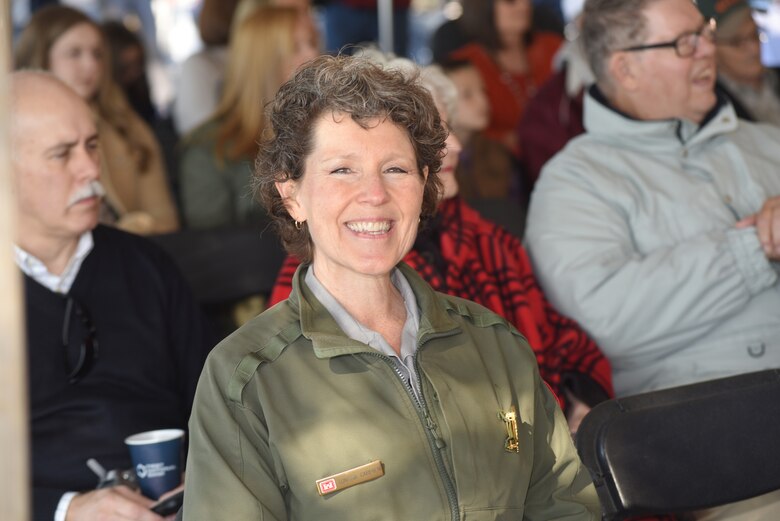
(366, 394)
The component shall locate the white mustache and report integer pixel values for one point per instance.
(91, 189)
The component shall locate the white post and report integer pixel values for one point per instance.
(385, 21)
(14, 476)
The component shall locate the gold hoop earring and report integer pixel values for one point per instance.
(298, 225)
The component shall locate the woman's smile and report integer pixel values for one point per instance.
(380, 227)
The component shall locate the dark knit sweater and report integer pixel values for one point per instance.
(152, 344)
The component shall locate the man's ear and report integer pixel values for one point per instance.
(288, 190)
(623, 68)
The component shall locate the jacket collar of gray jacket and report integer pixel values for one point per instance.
(600, 119)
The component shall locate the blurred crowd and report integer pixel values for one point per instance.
(609, 183)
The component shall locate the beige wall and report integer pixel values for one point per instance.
(14, 481)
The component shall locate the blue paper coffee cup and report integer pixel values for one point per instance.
(156, 457)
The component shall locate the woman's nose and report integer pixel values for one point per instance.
(375, 189)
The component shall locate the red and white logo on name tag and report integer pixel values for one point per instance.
(350, 478)
(327, 486)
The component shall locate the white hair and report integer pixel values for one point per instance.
(432, 77)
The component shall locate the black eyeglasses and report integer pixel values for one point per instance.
(684, 45)
(88, 348)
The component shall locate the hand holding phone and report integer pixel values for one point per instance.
(169, 505)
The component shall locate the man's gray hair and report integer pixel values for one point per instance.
(610, 25)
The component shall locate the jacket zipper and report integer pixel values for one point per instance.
(433, 440)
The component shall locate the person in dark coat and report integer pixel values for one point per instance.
(115, 340)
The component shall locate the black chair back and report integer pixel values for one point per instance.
(227, 264)
(685, 448)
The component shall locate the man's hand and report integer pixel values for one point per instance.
(111, 504)
(767, 223)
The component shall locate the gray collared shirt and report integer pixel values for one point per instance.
(357, 331)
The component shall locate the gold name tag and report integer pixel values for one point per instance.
(351, 477)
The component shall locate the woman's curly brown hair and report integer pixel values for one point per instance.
(364, 90)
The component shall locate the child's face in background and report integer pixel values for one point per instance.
(473, 112)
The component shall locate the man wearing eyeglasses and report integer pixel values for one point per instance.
(753, 89)
(115, 341)
(658, 229)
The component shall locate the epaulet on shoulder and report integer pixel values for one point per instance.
(477, 314)
(270, 333)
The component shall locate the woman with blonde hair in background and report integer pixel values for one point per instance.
(202, 75)
(69, 44)
(216, 160)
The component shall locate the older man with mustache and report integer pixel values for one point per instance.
(115, 340)
(659, 229)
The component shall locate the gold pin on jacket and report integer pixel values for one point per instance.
(509, 418)
(351, 477)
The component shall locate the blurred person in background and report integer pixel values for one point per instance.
(754, 89)
(512, 57)
(202, 75)
(450, 35)
(554, 115)
(115, 341)
(128, 67)
(658, 229)
(72, 46)
(216, 159)
(485, 170)
(214, 20)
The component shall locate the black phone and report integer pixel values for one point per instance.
(169, 505)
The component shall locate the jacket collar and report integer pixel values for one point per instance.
(328, 340)
(601, 119)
